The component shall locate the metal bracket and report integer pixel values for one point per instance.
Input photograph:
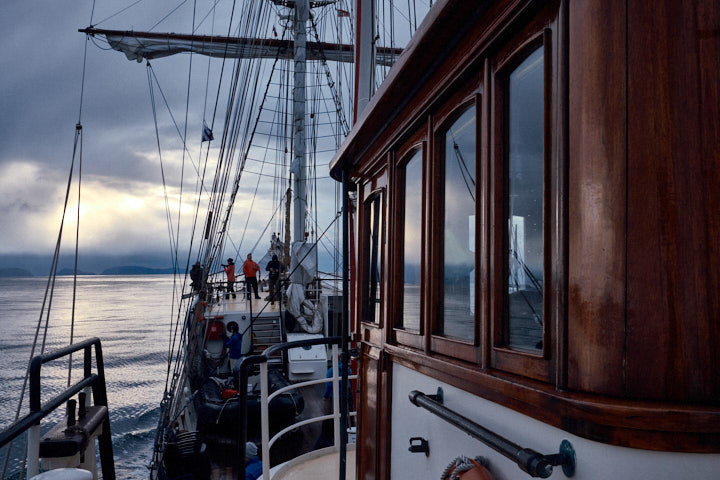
(565, 458)
(438, 397)
(420, 445)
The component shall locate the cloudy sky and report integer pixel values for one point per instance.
(123, 207)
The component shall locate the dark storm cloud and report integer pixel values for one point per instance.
(42, 55)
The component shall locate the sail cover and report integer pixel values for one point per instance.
(309, 316)
(147, 45)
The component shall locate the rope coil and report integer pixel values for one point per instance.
(468, 469)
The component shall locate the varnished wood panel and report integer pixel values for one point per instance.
(597, 197)
(673, 200)
(640, 366)
(368, 403)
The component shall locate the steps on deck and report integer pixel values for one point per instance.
(267, 332)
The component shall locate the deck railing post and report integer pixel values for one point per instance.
(33, 453)
(336, 396)
(265, 419)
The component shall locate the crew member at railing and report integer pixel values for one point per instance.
(230, 272)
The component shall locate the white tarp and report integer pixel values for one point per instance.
(304, 269)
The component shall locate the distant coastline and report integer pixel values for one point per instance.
(121, 270)
(15, 272)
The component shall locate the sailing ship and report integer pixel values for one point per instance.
(537, 228)
(530, 255)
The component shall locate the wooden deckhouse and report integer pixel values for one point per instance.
(538, 235)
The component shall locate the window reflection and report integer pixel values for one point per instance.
(524, 267)
(411, 244)
(374, 267)
(459, 229)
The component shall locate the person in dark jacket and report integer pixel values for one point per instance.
(196, 277)
(274, 267)
(234, 345)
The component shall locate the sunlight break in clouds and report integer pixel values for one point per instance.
(115, 217)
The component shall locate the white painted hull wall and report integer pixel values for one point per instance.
(594, 460)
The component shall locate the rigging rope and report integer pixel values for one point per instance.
(48, 297)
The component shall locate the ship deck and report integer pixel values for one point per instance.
(221, 305)
(298, 442)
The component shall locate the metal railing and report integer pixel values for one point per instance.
(339, 415)
(31, 421)
(531, 462)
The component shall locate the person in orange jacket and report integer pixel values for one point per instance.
(230, 272)
(250, 269)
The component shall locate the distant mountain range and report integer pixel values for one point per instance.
(17, 265)
(14, 272)
(125, 270)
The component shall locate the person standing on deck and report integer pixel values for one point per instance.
(233, 344)
(274, 267)
(196, 277)
(250, 269)
(253, 465)
(230, 272)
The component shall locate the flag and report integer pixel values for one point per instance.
(274, 31)
(207, 134)
(343, 13)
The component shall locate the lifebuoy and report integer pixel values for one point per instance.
(465, 468)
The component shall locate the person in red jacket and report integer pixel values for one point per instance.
(250, 269)
(230, 272)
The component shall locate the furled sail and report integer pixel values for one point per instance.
(147, 45)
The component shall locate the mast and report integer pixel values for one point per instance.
(298, 168)
(364, 50)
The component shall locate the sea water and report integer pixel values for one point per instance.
(133, 316)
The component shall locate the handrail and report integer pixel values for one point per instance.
(248, 363)
(38, 411)
(531, 462)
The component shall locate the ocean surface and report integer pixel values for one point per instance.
(132, 316)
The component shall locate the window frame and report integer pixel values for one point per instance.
(401, 335)
(374, 187)
(538, 365)
(467, 96)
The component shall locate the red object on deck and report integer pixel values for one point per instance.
(214, 330)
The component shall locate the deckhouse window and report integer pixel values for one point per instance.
(373, 256)
(412, 236)
(458, 251)
(524, 241)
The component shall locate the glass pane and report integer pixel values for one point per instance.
(374, 216)
(459, 233)
(411, 236)
(525, 204)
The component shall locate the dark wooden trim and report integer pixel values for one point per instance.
(597, 197)
(673, 195)
(658, 426)
(560, 194)
(369, 413)
(484, 216)
(377, 185)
